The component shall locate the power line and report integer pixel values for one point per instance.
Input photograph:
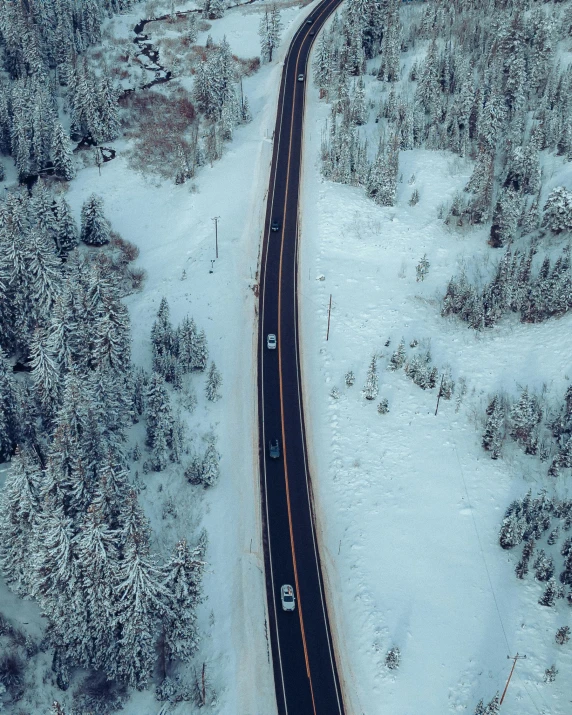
(482, 551)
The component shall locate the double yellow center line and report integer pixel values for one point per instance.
(300, 612)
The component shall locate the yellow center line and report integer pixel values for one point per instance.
(292, 547)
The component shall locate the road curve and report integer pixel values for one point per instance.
(305, 673)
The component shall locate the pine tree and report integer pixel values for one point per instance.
(397, 360)
(543, 566)
(61, 154)
(141, 598)
(269, 30)
(524, 416)
(182, 579)
(210, 465)
(494, 706)
(9, 427)
(44, 274)
(558, 210)
(214, 381)
(159, 413)
(493, 435)
(18, 512)
(94, 226)
(98, 558)
(371, 389)
(66, 229)
(550, 594)
(45, 375)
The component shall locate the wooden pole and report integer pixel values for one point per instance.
(329, 314)
(439, 394)
(215, 219)
(514, 658)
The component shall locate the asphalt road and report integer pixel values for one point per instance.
(303, 656)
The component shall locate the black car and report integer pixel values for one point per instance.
(275, 225)
(274, 449)
(312, 33)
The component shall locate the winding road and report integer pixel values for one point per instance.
(303, 654)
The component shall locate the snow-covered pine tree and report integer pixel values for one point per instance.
(389, 69)
(214, 381)
(550, 594)
(61, 154)
(493, 707)
(18, 512)
(201, 353)
(66, 234)
(9, 427)
(97, 551)
(269, 30)
(182, 580)
(493, 435)
(524, 416)
(45, 375)
(159, 412)
(370, 388)
(94, 226)
(44, 274)
(140, 599)
(210, 470)
(558, 210)
(397, 360)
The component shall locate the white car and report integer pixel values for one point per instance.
(287, 598)
(300, 78)
(271, 341)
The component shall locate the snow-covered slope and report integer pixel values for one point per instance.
(409, 505)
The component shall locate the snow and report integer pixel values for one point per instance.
(408, 504)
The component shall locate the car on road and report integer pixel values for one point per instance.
(287, 598)
(275, 225)
(274, 449)
(309, 21)
(312, 33)
(300, 78)
(271, 341)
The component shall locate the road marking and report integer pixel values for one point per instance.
(292, 545)
(261, 344)
(337, 687)
(261, 341)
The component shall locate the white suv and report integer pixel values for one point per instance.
(271, 341)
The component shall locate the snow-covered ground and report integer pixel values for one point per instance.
(409, 505)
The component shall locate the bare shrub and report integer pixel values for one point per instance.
(162, 125)
(12, 674)
(128, 251)
(98, 695)
(137, 276)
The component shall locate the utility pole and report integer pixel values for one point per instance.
(513, 658)
(216, 220)
(439, 394)
(329, 313)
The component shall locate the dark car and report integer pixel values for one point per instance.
(312, 33)
(274, 449)
(275, 225)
